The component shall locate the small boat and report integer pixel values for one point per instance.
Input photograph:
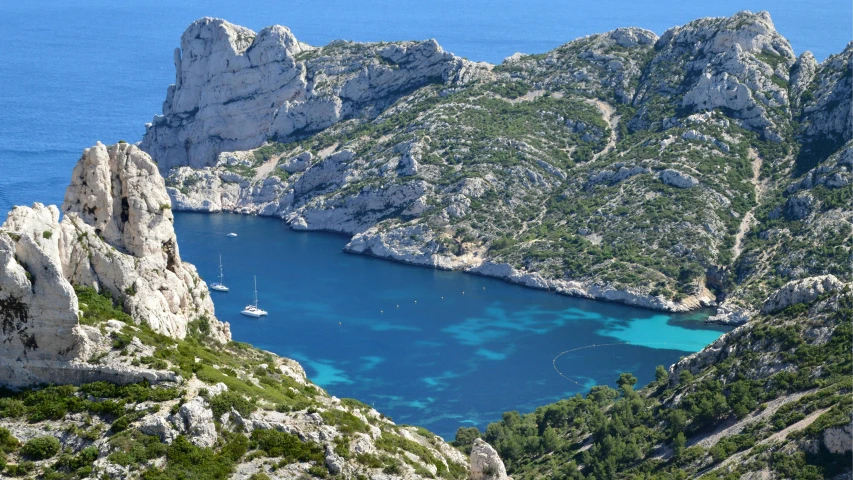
(253, 310)
(219, 286)
(232, 234)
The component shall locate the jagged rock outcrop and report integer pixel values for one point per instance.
(827, 112)
(728, 314)
(38, 306)
(485, 462)
(678, 179)
(235, 88)
(801, 291)
(839, 439)
(116, 236)
(727, 62)
(802, 74)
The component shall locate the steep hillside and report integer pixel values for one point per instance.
(619, 166)
(770, 400)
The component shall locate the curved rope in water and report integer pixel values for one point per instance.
(554, 362)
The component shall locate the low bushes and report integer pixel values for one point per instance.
(40, 448)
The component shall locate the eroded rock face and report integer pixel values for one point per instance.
(723, 63)
(678, 179)
(801, 291)
(235, 88)
(827, 115)
(116, 236)
(485, 462)
(839, 440)
(38, 307)
(195, 419)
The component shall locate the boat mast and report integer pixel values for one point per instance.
(220, 270)
(256, 290)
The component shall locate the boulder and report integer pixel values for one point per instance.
(299, 163)
(485, 462)
(799, 207)
(678, 179)
(839, 440)
(805, 290)
(160, 428)
(195, 420)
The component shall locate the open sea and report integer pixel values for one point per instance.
(74, 73)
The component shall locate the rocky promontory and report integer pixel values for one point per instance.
(116, 237)
(621, 166)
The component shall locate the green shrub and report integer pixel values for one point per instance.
(20, 469)
(8, 443)
(11, 408)
(345, 421)
(99, 307)
(132, 447)
(40, 448)
(288, 446)
(186, 461)
(225, 401)
(80, 464)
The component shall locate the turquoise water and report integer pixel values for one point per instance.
(408, 340)
(78, 72)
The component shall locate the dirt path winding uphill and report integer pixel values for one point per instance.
(612, 119)
(749, 218)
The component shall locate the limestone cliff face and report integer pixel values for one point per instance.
(235, 88)
(827, 115)
(38, 307)
(725, 63)
(116, 236)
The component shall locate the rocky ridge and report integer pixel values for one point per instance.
(620, 166)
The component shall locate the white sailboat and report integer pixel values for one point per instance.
(219, 286)
(232, 234)
(253, 310)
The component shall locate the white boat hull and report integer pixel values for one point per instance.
(254, 313)
(218, 287)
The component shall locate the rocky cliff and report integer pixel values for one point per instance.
(235, 88)
(116, 237)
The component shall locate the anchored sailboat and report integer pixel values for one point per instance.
(253, 310)
(219, 286)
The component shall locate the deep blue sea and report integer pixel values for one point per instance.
(73, 73)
